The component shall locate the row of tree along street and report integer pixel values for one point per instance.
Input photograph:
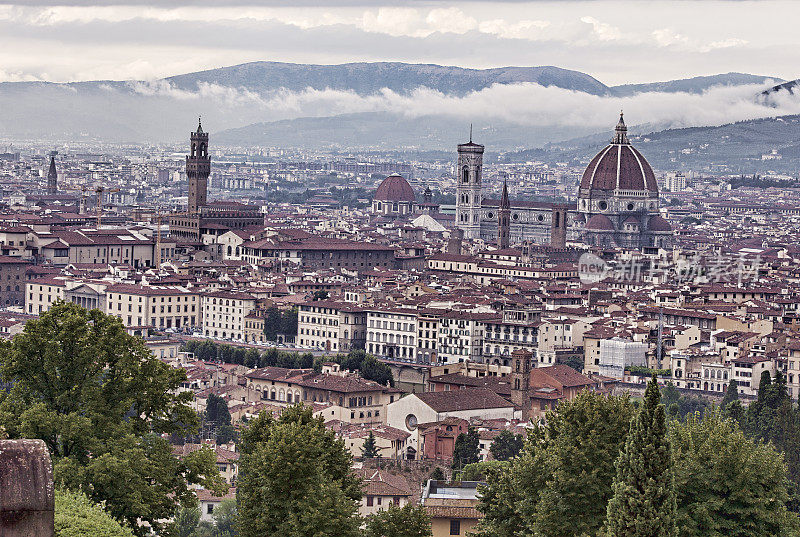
(358, 360)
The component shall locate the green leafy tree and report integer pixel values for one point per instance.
(583, 438)
(295, 479)
(372, 369)
(508, 501)
(560, 483)
(437, 474)
(251, 358)
(644, 503)
(225, 519)
(506, 445)
(289, 322)
(218, 416)
(679, 405)
(477, 471)
(101, 402)
(466, 449)
(320, 295)
(77, 516)
(731, 394)
(272, 323)
(369, 450)
(728, 484)
(406, 521)
(773, 418)
(184, 523)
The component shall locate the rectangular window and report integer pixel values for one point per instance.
(369, 501)
(455, 527)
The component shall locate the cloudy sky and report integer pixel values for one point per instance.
(615, 41)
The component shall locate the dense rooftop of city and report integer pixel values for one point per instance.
(420, 269)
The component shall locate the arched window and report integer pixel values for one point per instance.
(465, 175)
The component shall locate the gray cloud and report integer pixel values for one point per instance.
(614, 41)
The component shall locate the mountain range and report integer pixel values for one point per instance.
(309, 106)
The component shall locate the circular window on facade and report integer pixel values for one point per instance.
(515, 216)
(411, 422)
(630, 206)
(490, 215)
(540, 218)
(603, 205)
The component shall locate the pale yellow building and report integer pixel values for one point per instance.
(40, 294)
(224, 313)
(157, 306)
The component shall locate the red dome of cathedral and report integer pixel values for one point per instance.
(600, 222)
(619, 167)
(395, 188)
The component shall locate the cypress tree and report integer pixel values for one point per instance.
(369, 450)
(644, 503)
(466, 449)
(731, 394)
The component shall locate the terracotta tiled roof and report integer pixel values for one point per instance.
(467, 399)
(563, 374)
(441, 511)
(378, 483)
(335, 383)
(276, 373)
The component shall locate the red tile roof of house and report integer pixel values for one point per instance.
(467, 399)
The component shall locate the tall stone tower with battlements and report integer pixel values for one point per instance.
(198, 168)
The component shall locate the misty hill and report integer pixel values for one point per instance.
(255, 103)
(739, 146)
(697, 84)
(367, 78)
(771, 95)
(386, 131)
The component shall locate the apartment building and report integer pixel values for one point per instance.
(461, 335)
(793, 370)
(428, 336)
(224, 314)
(157, 306)
(42, 293)
(331, 325)
(254, 327)
(518, 329)
(391, 333)
(561, 333)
